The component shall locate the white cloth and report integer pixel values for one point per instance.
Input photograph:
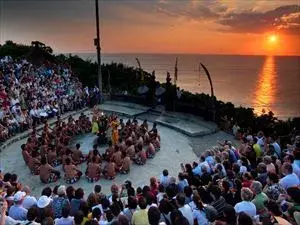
(246, 207)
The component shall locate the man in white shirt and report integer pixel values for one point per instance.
(246, 205)
(185, 209)
(290, 179)
(17, 211)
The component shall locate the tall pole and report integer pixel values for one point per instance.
(97, 43)
(211, 90)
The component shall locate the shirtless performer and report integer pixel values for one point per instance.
(110, 170)
(34, 163)
(117, 158)
(140, 156)
(150, 149)
(77, 155)
(53, 158)
(72, 173)
(93, 170)
(47, 173)
(25, 154)
(126, 162)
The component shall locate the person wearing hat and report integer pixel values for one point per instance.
(17, 211)
(29, 200)
(60, 201)
(44, 208)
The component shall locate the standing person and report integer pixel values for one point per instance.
(290, 179)
(140, 217)
(246, 205)
(60, 201)
(185, 209)
(17, 211)
(260, 198)
(131, 208)
(199, 214)
(77, 201)
(29, 200)
(66, 219)
(165, 178)
(31, 217)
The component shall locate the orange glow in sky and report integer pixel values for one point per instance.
(157, 26)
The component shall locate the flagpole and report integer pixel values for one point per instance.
(97, 43)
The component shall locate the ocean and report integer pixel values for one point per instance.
(269, 83)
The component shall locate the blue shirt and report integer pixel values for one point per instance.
(290, 180)
(17, 212)
(182, 184)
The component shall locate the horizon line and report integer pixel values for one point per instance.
(177, 53)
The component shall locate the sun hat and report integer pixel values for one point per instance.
(19, 196)
(43, 201)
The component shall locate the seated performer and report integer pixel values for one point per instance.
(93, 170)
(34, 163)
(53, 158)
(150, 149)
(47, 173)
(25, 154)
(117, 158)
(110, 170)
(126, 162)
(72, 173)
(77, 155)
(140, 156)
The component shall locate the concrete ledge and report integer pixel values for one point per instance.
(196, 133)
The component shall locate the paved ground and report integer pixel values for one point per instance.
(177, 147)
(171, 155)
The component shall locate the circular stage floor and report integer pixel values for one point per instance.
(175, 149)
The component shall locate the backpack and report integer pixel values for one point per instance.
(211, 213)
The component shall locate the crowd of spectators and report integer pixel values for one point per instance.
(30, 94)
(256, 182)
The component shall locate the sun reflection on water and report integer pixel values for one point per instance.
(266, 87)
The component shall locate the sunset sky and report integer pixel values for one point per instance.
(157, 26)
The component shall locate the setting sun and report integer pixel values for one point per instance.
(272, 38)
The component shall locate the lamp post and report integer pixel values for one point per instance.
(97, 44)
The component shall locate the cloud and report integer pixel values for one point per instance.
(194, 10)
(284, 18)
(289, 23)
